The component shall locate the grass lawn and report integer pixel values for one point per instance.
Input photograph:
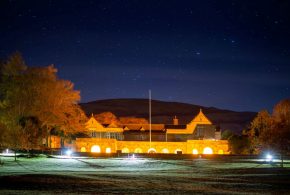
(226, 175)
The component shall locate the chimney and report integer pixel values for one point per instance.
(175, 121)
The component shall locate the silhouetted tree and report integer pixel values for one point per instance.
(227, 134)
(239, 144)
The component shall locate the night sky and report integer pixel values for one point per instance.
(226, 54)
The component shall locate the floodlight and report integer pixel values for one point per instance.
(133, 157)
(269, 157)
(68, 152)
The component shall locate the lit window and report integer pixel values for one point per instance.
(177, 150)
(96, 149)
(194, 151)
(207, 150)
(151, 150)
(125, 150)
(108, 150)
(138, 150)
(83, 149)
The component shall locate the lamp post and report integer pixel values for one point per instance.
(150, 118)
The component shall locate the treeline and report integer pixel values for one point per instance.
(267, 132)
(110, 118)
(34, 102)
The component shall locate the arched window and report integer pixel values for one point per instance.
(194, 151)
(207, 150)
(152, 150)
(177, 150)
(96, 149)
(108, 150)
(125, 150)
(83, 149)
(138, 150)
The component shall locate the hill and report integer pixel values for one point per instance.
(163, 112)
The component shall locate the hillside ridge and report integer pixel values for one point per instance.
(163, 112)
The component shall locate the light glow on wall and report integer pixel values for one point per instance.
(194, 151)
(108, 150)
(125, 150)
(165, 151)
(152, 150)
(207, 150)
(177, 150)
(96, 149)
(220, 152)
(83, 149)
(138, 150)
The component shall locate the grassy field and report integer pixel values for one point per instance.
(220, 175)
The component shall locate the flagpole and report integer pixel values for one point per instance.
(150, 116)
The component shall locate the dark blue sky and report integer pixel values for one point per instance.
(226, 54)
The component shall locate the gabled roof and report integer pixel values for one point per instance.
(113, 125)
(126, 128)
(93, 124)
(201, 119)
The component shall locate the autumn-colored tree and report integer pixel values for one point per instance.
(132, 120)
(107, 118)
(278, 136)
(272, 132)
(281, 111)
(30, 132)
(261, 124)
(33, 101)
(11, 83)
(3, 136)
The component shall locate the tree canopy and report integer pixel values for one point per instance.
(107, 118)
(33, 100)
(110, 118)
(272, 131)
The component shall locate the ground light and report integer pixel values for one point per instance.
(7, 152)
(133, 157)
(68, 152)
(269, 158)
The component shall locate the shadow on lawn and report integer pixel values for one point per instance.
(91, 164)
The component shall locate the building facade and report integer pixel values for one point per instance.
(197, 137)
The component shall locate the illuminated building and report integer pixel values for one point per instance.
(197, 137)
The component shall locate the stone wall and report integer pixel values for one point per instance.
(189, 147)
